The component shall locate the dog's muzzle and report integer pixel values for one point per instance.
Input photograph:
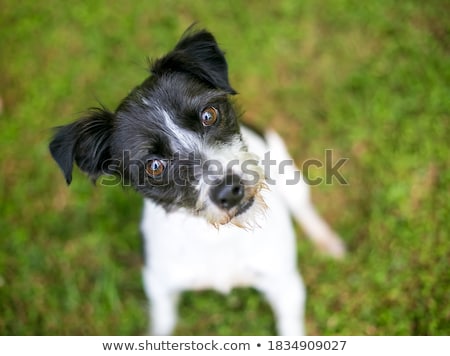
(234, 197)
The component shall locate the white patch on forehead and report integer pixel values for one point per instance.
(181, 140)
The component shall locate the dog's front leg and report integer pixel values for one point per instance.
(163, 305)
(286, 295)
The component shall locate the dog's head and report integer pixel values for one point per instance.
(175, 138)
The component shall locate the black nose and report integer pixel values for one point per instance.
(228, 193)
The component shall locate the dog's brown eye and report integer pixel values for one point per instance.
(155, 167)
(209, 116)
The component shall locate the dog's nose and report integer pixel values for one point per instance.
(228, 193)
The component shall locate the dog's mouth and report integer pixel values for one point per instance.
(245, 206)
(245, 215)
(248, 214)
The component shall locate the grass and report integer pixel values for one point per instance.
(369, 80)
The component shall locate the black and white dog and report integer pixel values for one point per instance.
(216, 214)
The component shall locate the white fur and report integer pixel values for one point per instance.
(186, 140)
(185, 252)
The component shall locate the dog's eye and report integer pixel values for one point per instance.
(209, 116)
(155, 167)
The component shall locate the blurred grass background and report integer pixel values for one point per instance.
(369, 80)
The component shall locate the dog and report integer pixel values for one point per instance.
(217, 205)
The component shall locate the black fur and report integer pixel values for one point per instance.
(198, 55)
(86, 141)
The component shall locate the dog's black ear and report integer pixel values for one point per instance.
(86, 141)
(198, 54)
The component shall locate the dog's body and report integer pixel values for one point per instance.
(187, 253)
(208, 220)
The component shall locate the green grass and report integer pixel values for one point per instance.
(369, 80)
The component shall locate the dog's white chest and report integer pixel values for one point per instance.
(188, 253)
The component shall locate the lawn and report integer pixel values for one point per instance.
(369, 80)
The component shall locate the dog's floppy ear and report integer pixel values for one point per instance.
(86, 141)
(198, 54)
